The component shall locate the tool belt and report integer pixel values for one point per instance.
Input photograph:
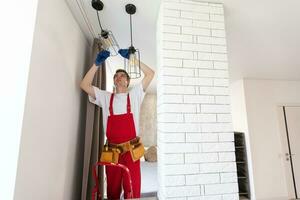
(111, 152)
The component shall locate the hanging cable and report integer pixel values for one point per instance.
(99, 21)
(131, 30)
(108, 41)
(132, 65)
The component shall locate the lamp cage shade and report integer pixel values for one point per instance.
(132, 65)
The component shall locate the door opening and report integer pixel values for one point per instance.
(290, 116)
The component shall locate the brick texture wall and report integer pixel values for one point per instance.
(196, 157)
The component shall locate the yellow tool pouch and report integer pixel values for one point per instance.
(137, 150)
(110, 154)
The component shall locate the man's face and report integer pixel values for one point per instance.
(120, 79)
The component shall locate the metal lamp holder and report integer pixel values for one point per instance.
(105, 34)
(136, 73)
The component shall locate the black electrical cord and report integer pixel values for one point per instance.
(131, 30)
(99, 21)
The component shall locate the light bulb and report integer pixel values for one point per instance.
(106, 43)
(132, 63)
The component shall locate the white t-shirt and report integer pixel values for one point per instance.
(136, 95)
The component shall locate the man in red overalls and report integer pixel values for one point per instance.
(120, 119)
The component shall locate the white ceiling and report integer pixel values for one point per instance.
(263, 36)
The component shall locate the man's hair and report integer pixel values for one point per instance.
(127, 75)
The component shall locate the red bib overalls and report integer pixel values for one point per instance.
(120, 128)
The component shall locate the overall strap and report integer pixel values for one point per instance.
(111, 104)
(128, 104)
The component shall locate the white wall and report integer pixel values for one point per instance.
(17, 19)
(148, 121)
(196, 158)
(50, 161)
(240, 122)
(238, 106)
(262, 99)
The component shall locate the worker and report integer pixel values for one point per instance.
(120, 120)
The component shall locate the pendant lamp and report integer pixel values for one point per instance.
(132, 65)
(106, 37)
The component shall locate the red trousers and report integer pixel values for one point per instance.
(116, 177)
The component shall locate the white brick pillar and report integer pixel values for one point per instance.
(196, 157)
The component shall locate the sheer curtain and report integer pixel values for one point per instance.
(94, 133)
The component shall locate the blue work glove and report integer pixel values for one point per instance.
(102, 55)
(124, 53)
